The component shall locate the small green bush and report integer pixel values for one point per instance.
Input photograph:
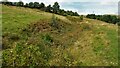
(54, 22)
(81, 17)
(47, 39)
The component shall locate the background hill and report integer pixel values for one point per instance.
(32, 37)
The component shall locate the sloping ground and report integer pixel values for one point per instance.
(29, 39)
(0, 36)
(98, 46)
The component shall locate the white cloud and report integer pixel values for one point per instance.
(108, 3)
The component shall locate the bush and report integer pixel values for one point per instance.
(47, 39)
(81, 17)
(91, 16)
(54, 22)
(20, 3)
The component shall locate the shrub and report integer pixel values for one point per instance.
(81, 17)
(91, 16)
(47, 39)
(54, 22)
(20, 3)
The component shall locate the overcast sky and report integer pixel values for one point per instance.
(83, 6)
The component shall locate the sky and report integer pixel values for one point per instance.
(83, 6)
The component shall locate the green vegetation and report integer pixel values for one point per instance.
(106, 18)
(54, 23)
(36, 38)
(54, 9)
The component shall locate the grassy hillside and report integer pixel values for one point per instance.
(29, 39)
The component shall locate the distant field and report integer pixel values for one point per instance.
(28, 39)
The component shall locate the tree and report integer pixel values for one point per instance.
(42, 5)
(6, 2)
(115, 19)
(56, 7)
(91, 16)
(48, 8)
(31, 5)
(76, 14)
(106, 18)
(62, 12)
(36, 5)
(70, 13)
(26, 5)
(14, 3)
(98, 17)
(20, 3)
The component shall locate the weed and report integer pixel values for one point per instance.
(47, 39)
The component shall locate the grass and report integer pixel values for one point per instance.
(18, 17)
(0, 36)
(30, 40)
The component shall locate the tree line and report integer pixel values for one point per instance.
(106, 18)
(52, 9)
